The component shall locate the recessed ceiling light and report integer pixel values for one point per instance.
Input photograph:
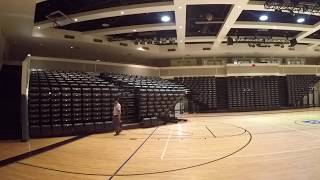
(301, 20)
(29, 55)
(165, 18)
(71, 47)
(98, 60)
(140, 49)
(263, 18)
(121, 12)
(38, 27)
(105, 25)
(76, 20)
(134, 30)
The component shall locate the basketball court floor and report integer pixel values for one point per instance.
(282, 145)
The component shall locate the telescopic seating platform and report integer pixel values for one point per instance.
(68, 103)
(155, 98)
(202, 91)
(248, 93)
(299, 86)
(71, 103)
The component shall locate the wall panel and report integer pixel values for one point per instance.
(91, 66)
(298, 69)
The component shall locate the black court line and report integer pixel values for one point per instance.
(37, 151)
(156, 172)
(132, 154)
(211, 132)
(197, 165)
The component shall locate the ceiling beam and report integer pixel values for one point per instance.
(310, 41)
(180, 8)
(39, 1)
(130, 29)
(199, 2)
(312, 30)
(232, 17)
(314, 42)
(314, 46)
(201, 39)
(113, 12)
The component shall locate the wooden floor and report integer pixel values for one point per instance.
(270, 145)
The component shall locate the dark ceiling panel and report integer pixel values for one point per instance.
(280, 17)
(203, 30)
(119, 21)
(165, 37)
(315, 35)
(75, 6)
(262, 33)
(146, 35)
(205, 20)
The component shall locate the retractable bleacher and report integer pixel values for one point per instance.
(155, 98)
(70, 103)
(67, 103)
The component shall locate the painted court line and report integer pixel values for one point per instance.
(211, 132)
(167, 142)
(123, 164)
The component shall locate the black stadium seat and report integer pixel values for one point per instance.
(69, 103)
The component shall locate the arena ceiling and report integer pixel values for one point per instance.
(179, 28)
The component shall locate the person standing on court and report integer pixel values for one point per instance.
(116, 119)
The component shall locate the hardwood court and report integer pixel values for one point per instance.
(258, 145)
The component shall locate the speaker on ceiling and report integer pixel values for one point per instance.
(229, 41)
(293, 42)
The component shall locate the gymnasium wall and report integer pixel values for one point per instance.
(91, 66)
(258, 69)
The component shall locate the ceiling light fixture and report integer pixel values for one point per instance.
(105, 25)
(301, 20)
(38, 27)
(76, 20)
(98, 60)
(121, 12)
(165, 18)
(263, 18)
(29, 55)
(134, 30)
